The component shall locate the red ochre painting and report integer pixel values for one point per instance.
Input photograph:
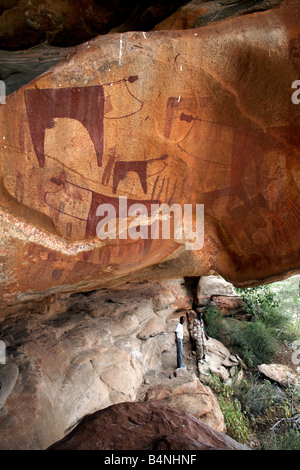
(204, 120)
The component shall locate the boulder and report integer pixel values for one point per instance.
(221, 372)
(144, 426)
(282, 374)
(187, 393)
(220, 362)
(216, 351)
(215, 356)
(212, 285)
(156, 117)
(232, 306)
(230, 361)
(181, 372)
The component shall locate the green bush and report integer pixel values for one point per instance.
(258, 397)
(214, 323)
(289, 440)
(236, 421)
(253, 341)
(274, 412)
(271, 309)
(258, 299)
(270, 411)
(219, 327)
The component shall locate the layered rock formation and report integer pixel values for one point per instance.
(230, 306)
(188, 117)
(20, 67)
(199, 13)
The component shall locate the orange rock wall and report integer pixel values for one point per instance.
(198, 116)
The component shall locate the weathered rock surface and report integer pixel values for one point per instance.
(20, 67)
(65, 22)
(220, 362)
(281, 374)
(214, 291)
(144, 426)
(188, 394)
(196, 14)
(83, 353)
(198, 116)
(212, 285)
(8, 376)
(232, 306)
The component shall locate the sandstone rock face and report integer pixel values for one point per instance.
(144, 426)
(280, 373)
(220, 362)
(65, 23)
(214, 291)
(83, 353)
(8, 376)
(212, 285)
(20, 67)
(196, 13)
(230, 306)
(188, 117)
(188, 394)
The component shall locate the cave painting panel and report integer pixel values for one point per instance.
(68, 195)
(89, 149)
(178, 128)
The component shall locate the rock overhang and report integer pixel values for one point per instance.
(200, 116)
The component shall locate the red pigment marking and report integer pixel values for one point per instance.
(85, 104)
